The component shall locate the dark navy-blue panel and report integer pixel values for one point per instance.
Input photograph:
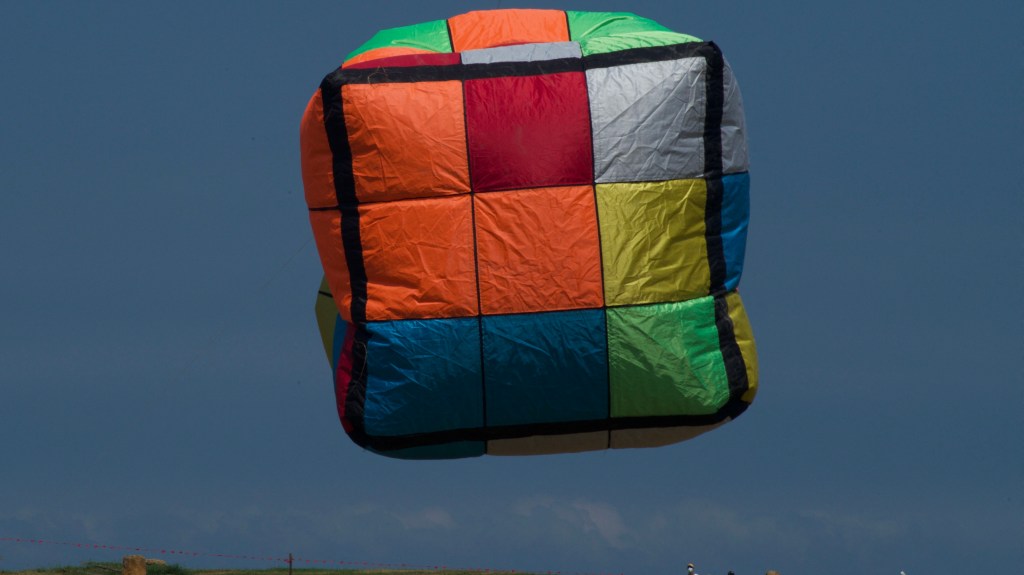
(545, 367)
(735, 216)
(423, 376)
(341, 328)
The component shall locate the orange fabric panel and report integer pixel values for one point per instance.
(538, 250)
(317, 162)
(408, 140)
(490, 28)
(383, 53)
(327, 233)
(419, 258)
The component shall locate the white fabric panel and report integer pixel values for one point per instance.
(648, 120)
(523, 53)
(734, 132)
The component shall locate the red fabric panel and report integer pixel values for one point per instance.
(529, 131)
(384, 52)
(343, 377)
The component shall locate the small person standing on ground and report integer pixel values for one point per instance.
(689, 569)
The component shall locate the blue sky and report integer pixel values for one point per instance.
(162, 382)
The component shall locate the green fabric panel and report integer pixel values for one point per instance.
(600, 32)
(664, 359)
(431, 36)
(586, 25)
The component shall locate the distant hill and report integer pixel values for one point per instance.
(115, 568)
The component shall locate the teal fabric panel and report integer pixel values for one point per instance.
(423, 376)
(545, 367)
(735, 217)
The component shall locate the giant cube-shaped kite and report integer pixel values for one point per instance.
(532, 226)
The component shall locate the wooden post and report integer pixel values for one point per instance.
(290, 564)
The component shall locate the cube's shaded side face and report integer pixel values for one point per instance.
(532, 223)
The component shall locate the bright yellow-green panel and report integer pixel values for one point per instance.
(652, 241)
(326, 316)
(745, 341)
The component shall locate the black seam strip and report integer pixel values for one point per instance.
(647, 54)
(600, 253)
(390, 443)
(714, 87)
(735, 366)
(544, 311)
(527, 188)
(476, 270)
(713, 233)
(461, 72)
(345, 192)
(442, 73)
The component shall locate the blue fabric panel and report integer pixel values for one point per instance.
(423, 376)
(735, 215)
(546, 367)
(456, 450)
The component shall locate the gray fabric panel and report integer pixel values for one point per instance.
(523, 53)
(734, 132)
(648, 120)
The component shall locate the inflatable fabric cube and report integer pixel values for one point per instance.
(532, 227)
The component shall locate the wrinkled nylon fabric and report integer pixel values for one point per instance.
(425, 37)
(522, 250)
(603, 32)
(648, 120)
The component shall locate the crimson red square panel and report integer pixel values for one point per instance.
(529, 131)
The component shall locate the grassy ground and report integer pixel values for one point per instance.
(115, 569)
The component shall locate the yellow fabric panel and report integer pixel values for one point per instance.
(745, 340)
(652, 241)
(657, 436)
(326, 316)
(544, 444)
